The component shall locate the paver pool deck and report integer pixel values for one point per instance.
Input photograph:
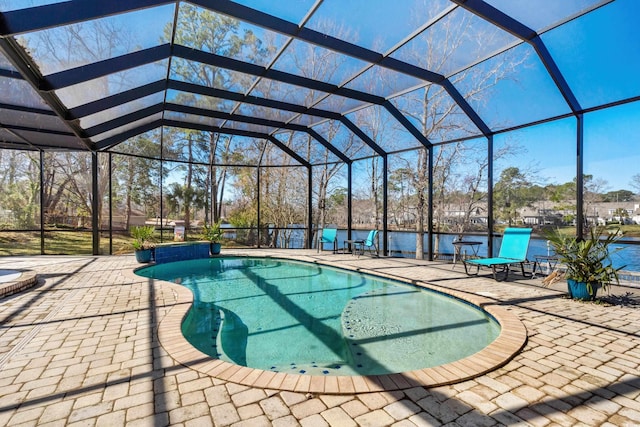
(82, 348)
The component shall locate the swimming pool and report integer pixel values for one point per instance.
(305, 319)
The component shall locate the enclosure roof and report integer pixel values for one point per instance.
(86, 74)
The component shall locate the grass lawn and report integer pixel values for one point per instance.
(627, 230)
(72, 242)
(67, 242)
(60, 243)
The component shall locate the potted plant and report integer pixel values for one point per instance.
(213, 233)
(587, 261)
(143, 242)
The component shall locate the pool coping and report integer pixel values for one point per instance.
(512, 338)
(26, 280)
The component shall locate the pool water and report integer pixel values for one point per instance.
(303, 318)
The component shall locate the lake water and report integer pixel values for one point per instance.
(629, 256)
(403, 244)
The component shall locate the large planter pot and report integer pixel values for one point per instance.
(143, 256)
(580, 290)
(215, 248)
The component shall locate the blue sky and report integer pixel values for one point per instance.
(599, 56)
(600, 66)
(612, 138)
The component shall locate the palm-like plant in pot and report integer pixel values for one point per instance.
(143, 242)
(213, 233)
(587, 261)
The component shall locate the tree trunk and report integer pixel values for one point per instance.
(421, 187)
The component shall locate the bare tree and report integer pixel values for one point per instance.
(594, 189)
(208, 31)
(19, 189)
(439, 117)
(137, 176)
(635, 182)
(321, 64)
(284, 194)
(67, 176)
(384, 131)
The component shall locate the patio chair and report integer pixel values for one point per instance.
(513, 250)
(370, 243)
(328, 235)
(358, 246)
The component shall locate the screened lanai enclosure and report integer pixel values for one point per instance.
(424, 119)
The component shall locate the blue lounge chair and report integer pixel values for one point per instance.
(328, 235)
(359, 245)
(370, 243)
(513, 250)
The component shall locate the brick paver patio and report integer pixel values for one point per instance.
(81, 349)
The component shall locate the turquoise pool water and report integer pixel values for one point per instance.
(303, 318)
